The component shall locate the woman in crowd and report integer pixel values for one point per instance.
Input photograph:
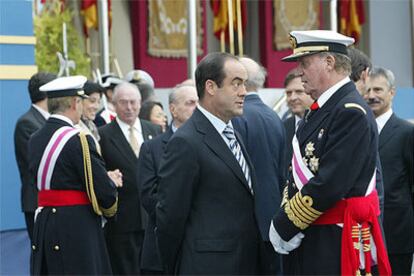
(90, 108)
(154, 112)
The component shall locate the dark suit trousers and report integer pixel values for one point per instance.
(401, 263)
(29, 218)
(125, 252)
(270, 263)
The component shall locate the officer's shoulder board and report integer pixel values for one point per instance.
(355, 105)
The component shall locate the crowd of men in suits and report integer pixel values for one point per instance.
(227, 188)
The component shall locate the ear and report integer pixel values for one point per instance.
(364, 75)
(392, 91)
(330, 61)
(172, 108)
(210, 87)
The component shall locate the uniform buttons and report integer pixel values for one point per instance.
(290, 168)
(56, 247)
(54, 210)
(287, 182)
(34, 247)
(294, 185)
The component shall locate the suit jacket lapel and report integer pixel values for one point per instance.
(121, 143)
(166, 138)
(388, 131)
(215, 142)
(146, 132)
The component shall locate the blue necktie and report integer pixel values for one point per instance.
(237, 152)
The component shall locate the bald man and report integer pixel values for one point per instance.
(263, 133)
(182, 102)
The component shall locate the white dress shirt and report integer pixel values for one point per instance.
(136, 128)
(383, 119)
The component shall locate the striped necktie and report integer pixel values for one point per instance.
(237, 152)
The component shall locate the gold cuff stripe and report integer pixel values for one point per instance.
(17, 72)
(13, 39)
(354, 105)
(312, 216)
(308, 49)
(300, 211)
(292, 217)
(111, 211)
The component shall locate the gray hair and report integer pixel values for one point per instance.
(386, 73)
(256, 74)
(172, 98)
(342, 62)
(59, 105)
(122, 86)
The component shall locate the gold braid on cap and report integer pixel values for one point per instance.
(87, 165)
(299, 210)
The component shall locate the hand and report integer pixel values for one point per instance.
(116, 177)
(281, 246)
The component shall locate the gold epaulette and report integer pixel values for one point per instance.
(299, 210)
(355, 105)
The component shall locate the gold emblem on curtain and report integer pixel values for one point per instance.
(297, 15)
(167, 23)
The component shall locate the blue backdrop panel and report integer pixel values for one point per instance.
(16, 17)
(14, 101)
(403, 103)
(11, 54)
(14, 252)
(16, 20)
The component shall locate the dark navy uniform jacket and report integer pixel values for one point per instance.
(69, 239)
(342, 136)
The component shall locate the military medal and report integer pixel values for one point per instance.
(314, 164)
(321, 134)
(309, 149)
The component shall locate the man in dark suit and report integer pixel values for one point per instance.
(298, 102)
(75, 190)
(263, 134)
(26, 125)
(396, 148)
(205, 215)
(334, 164)
(120, 144)
(182, 102)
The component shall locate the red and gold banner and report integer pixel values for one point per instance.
(221, 16)
(352, 17)
(89, 10)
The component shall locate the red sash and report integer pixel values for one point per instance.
(49, 198)
(351, 212)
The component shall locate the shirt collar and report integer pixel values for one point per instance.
(173, 127)
(251, 93)
(125, 127)
(63, 118)
(383, 119)
(43, 112)
(328, 93)
(218, 124)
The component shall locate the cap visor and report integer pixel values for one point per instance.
(295, 57)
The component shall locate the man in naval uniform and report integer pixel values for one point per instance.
(75, 190)
(330, 200)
